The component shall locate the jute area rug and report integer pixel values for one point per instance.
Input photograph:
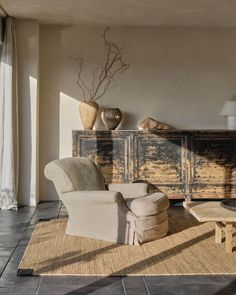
(188, 249)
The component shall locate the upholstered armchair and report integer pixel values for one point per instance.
(124, 214)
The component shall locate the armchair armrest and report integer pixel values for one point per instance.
(107, 197)
(130, 190)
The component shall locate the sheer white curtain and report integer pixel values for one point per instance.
(8, 119)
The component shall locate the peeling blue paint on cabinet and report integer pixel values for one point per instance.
(181, 163)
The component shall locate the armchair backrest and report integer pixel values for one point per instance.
(74, 174)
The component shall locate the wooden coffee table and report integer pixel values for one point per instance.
(212, 211)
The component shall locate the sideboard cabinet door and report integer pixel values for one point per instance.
(109, 150)
(212, 164)
(160, 159)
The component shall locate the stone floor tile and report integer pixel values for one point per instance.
(134, 285)
(18, 291)
(191, 279)
(103, 286)
(193, 289)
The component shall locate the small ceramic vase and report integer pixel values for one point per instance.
(111, 117)
(88, 113)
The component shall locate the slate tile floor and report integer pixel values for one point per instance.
(15, 231)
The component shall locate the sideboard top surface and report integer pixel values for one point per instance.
(158, 131)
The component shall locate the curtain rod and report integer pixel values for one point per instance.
(4, 10)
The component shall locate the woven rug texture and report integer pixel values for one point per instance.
(188, 249)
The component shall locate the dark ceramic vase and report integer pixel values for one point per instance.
(111, 117)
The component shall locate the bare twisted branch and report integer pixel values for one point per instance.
(104, 73)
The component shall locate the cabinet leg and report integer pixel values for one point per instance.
(228, 237)
(218, 233)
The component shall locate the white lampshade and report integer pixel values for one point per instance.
(229, 109)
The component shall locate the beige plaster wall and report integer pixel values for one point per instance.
(181, 76)
(27, 32)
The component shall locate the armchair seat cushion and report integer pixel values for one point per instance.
(148, 205)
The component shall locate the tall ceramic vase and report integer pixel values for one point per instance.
(88, 113)
(111, 117)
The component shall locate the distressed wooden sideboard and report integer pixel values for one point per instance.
(181, 163)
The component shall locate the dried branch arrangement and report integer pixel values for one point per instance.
(104, 74)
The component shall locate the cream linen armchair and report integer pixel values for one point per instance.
(124, 214)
